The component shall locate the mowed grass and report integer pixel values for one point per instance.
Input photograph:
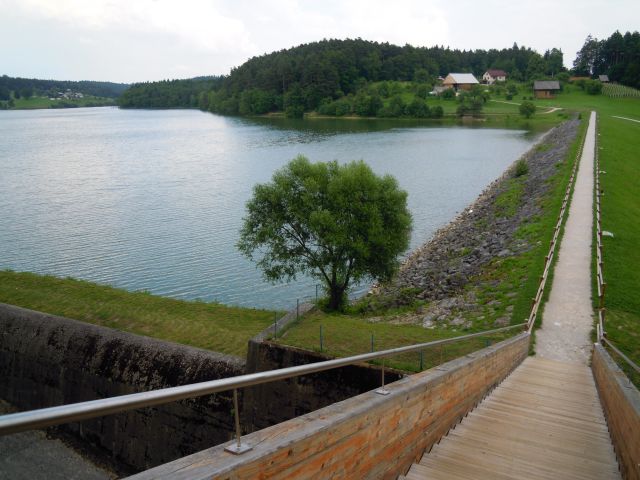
(44, 102)
(210, 326)
(344, 335)
(620, 142)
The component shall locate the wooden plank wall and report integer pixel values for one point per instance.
(621, 403)
(367, 436)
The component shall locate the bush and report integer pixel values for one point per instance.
(448, 94)
(593, 87)
(527, 109)
(521, 168)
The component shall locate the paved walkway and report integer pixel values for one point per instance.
(567, 318)
(31, 456)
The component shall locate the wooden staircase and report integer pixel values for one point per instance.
(544, 421)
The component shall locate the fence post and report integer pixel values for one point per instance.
(382, 390)
(238, 447)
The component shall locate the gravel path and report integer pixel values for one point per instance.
(567, 319)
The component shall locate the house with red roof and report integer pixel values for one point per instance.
(492, 76)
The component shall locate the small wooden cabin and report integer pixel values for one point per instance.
(460, 81)
(546, 88)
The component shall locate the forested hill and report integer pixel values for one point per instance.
(333, 68)
(169, 93)
(304, 76)
(338, 77)
(32, 86)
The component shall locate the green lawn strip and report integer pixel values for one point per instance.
(205, 325)
(345, 335)
(43, 102)
(620, 205)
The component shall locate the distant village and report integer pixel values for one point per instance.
(68, 94)
(466, 81)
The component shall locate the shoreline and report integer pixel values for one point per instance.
(445, 272)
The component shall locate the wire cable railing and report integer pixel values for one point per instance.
(47, 417)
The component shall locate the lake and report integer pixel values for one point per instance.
(154, 199)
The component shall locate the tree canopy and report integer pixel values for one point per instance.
(618, 57)
(314, 76)
(31, 86)
(337, 223)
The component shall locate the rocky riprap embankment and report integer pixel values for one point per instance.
(438, 271)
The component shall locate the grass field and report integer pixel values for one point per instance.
(205, 325)
(343, 335)
(43, 102)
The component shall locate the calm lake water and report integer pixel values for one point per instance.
(153, 200)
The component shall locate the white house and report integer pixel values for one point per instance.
(492, 76)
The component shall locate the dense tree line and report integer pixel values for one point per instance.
(168, 93)
(305, 77)
(618, 57)
(27, 87)
(339, 77)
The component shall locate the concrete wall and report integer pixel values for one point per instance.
(367, 436)
(276, 402)
(621, 403)
(47, 361)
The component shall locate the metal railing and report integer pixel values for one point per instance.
(601, 333)
(548, 260)
(47, 417)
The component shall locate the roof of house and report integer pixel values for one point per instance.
(603, 78)
(496, 73)
(460, 78)
(546, 85)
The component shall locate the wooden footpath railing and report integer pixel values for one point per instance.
(601, 331)
(548, 260)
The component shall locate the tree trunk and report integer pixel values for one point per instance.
(336, 295)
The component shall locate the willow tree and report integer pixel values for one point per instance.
(337, 223)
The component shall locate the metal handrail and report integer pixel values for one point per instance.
(46, 417)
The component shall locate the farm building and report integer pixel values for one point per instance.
(460, 81)
(603, 78)
(492, 76)
(546, 88)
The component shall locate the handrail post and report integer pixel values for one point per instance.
(237, 448)
(382, 390)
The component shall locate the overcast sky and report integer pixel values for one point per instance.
(138, 40)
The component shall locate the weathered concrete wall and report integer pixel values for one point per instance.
(276, 402)
(368, 436)
(621, 403)
(47, 361)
